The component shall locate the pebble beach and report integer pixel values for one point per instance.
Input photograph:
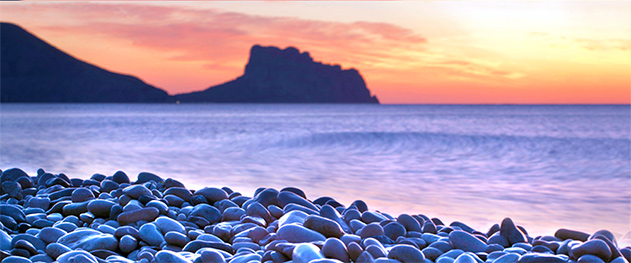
(54, 218)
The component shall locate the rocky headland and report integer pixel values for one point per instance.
(287, 76)
(51, 217)
(35, 71)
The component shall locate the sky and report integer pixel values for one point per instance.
(429, 52)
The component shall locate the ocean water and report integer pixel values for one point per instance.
(546, 167)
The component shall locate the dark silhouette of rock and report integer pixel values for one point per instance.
(34, 71)
(273, 75)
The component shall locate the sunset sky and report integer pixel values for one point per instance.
(408, 51)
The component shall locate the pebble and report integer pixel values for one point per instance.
(564, 234)
(207, 212)
(406, 253)
(144, 214)
(135, 191)
(298, 234)
(324, 226)
(88, 239)
(287, 197)
(511, 232)
(128, 243)
(166, 224)
(371, 230)
(293, 217)
(393, 230)
(77, 256)
(100, 208)
(150, 234)
(144, 177)
(306, 252)
(51, 234)
(120, 177)
(594, 247)
(212, 194)
(335, 248)
(82, 195)
(36, 242)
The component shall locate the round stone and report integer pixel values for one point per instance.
(207, 212)
(467, 242)
(511, 232)
(166, 224)
(406, 253)
(89, 240)
(293, 217)
(100, 208)
(212, 194)
(564, 234)
(145, 214)
(335, 248)
(120, 177)
(128, 243)
(298, 234)
(306, 252)
(150, 234)
(176, 239)
(589, 259)
(286, 197)
(594, 247)
(77, 256)
(409, 223)
(54, 250)
(144, 177)
(324, 226)
(82, 195)
(371, 230)
(39, 202)
(51, 234)
(135, 191)
(393, 230)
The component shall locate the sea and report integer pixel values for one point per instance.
(546, 167)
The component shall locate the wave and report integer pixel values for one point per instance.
(499, 146)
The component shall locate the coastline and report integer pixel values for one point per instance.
(113, 219)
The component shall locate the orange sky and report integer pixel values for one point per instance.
(408, 51)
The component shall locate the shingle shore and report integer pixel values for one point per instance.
(51, 217)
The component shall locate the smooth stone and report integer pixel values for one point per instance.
(541, 258)
(196, 245)
(372, 217)
(12, 174)
(77, 256)
(16, 259)
(144, 177)
(467, 242)
(298, 234)
(429, 227)
(619, 260)
(365, 257)
(42, 258)
(209, 237)
(564, 234)
(507, 258)
(324, 226)
(296, 207)
(371, 230)
(209, 213)
(335, 248)
(75, 209)
(166, 224)
(81, 195)
(287, 197)
(409, 222)
(498, 239)
(161, 206)
(406, 253)
(100, 208)
(511, 232)
(329, 212)
(246, 258)
(465, 258)
(36, 242)
(589, 259)
(135, 191)
(23, 244)
(442, 245)
(39, 202)
(306, 252)
(54, 250)
(180, 192)
(393, 230)
(109, 186)
(12, 189)
(150, 234)
(256, 209)
(595, 247)
(212, 194)
(267, 197)
(293, 217)
(233, 214)
(171, 257)
(127, 243)
(13, 212)
(376, 251)
(88, 239)
(51, 234)
(5, 241)
(176, 239)
(121, 177)
(208, 255)
(8, 222)
(431, 253)
(144, 214)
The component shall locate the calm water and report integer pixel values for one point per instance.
(544, 166)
